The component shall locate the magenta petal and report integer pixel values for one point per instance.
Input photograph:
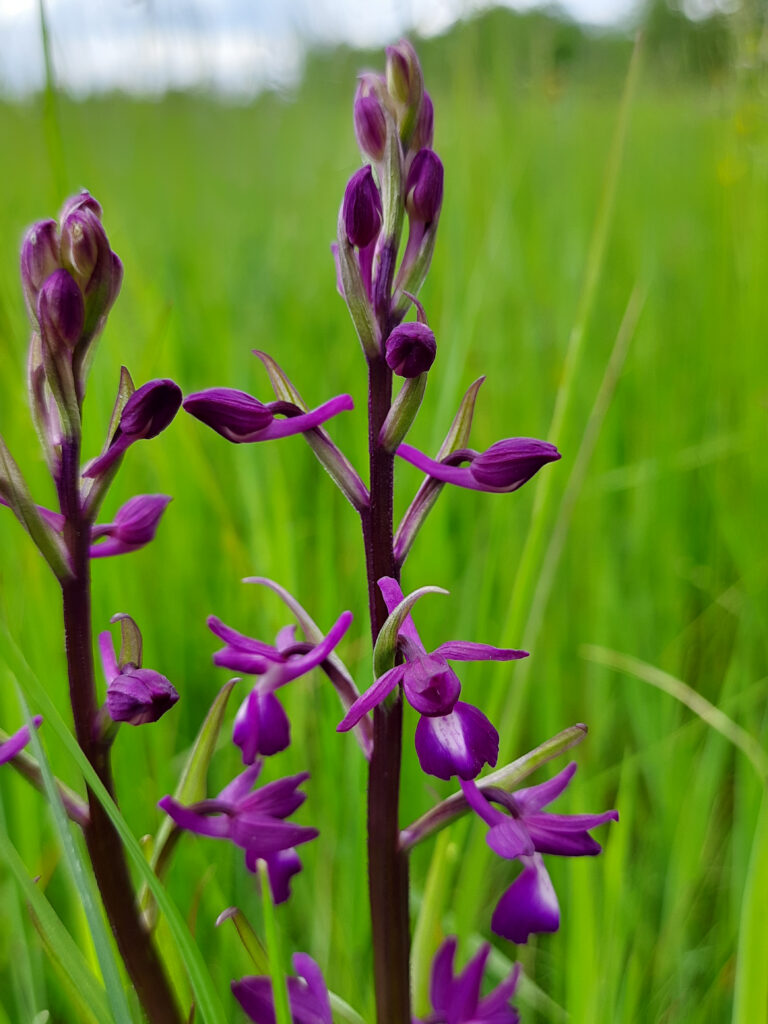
(482, 807)
(459, 650)
(296, 667)
(510, 463)
(16, 743)
(459, 475)
(456, 744)
(202, 824)
(306, 967)
(281, 867)
(239, 640)
(277, 799)
(510, 839)
(494, 1007)
(255, 997)
(441, 979)
(107, 652)
(529, 905)
(374, 695)
(305, 421)
(241, 785)
(265, 835)
(566, 834)
(261, 726)
(393, 595)
(533, 798)
(466, 987)
(101, 464)
(431, 686)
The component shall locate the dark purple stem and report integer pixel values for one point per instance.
(104, 846)
(387, 866)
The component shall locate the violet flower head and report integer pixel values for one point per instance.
(86, 253)
(135, 695)
(452, 738)
(261, 725)
(424, 187)
(16, 743)
(456, 998)
(148, 411)
(307, 995)
(254, 821)
(524, 833)
(410, 349)
(361, 209)
(135, 526)
(503, 467)
(242, 419)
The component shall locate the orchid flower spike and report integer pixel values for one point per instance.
(16, 743)
(242, 419)
(456, 998)
(523, 833)
(452, 738)
(307, 995)
(254, 821)
(503, 467)
(261, 725)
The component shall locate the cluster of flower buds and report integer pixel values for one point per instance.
(71, 279)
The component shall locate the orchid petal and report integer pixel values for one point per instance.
(460, 650)
(529, 904)
(303, 422)
(533, 798)
(374, 695)
(16, 743)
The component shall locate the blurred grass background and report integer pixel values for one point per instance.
(223, 217)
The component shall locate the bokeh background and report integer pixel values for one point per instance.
(602, 259)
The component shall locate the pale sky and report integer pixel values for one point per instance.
(237, 47)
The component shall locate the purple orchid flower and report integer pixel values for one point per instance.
(503, 467)
(452, 738)
(147, 413)
(456, 998)
(253, 821)
(524, 833)
(16, 743)
(307, 995)
(134, 695)
(261, 724)
(135, 526)
(240, 418)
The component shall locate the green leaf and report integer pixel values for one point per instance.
(274, 950)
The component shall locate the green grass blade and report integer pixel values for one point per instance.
(274, 950)
(79, 868)
(750, 1001)
(58, 939)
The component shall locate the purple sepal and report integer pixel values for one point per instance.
(504, 467)
(424, 187)
(410, 349)
(261, 726)
(135, 526)
(424, 131)
(431, 686)
(39, 259)
(242, 419)
(361, 209)
(456, 999)
(16, 743)
(147, 412)
(307, 995)
(370, 122)
(459, 743)
(138, 696)
(529, 905)
(281, 867)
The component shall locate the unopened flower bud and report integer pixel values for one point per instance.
(84, 249)
(82, 201)
(404, 77)
(370, 123)
(424, 132)
(424, 187)
(410, 349)
(361, 210)
(139, 695)
(60, 311)
(39, 259)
